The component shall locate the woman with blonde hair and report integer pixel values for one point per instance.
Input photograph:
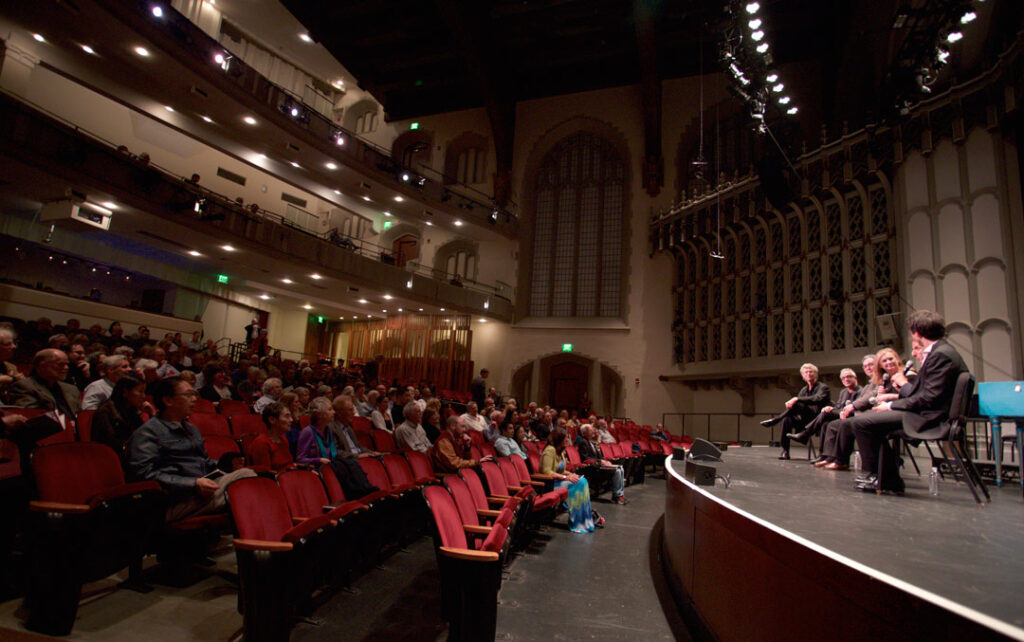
(890, 375)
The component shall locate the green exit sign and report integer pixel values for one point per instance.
(319, 319)
(566, 347)
(222, 278)
(414, 125)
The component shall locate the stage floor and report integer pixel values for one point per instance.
(945, 545)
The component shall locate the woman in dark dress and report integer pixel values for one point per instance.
(118, 417)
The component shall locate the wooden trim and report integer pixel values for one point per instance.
(262, 545)
(476, 530)
(469, 555)
(58, 507)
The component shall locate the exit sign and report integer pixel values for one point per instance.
(222, 278)
(566, 347)
(320, 319)
(414, 125)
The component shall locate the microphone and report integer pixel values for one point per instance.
(885, 377)
(907, 367)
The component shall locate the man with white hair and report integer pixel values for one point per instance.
(410, 433)
(113, 368)
(801, 409)
(9, 372)
(473, 420)
(271, 392)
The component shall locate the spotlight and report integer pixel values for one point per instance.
(755, 23)
(792, 111)
(294, 112)
(954, 37)
(784, 100)
(493, 217)
(200, 206)
(752, 7)
(941, 56)
(968, 17)
(219, 59)
(779, 87)
(762, 48)
(158, 11)
(339, 140)
(38, 37)
(405, 177)
(757, 35)
(772, 77)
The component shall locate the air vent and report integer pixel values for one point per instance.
(294, 200)
(199, 92)
(231, 176)
(293, 148)
(366, 186)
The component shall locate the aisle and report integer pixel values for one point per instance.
(596, 586)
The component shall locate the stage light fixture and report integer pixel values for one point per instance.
(207, 119)
(249, 120)
(955, 36)
(762, 48)
(294, 111)
(493, 218)
(772, 77)
(941, 56)
(968, 17)
(331, 166)
(158, 11)
(757, 35)
(752, 7)
(142, 51)
(405, 177)
(792, 111)
(89, 50)
(38, 37)
(755, 23)
(779, 87)
(784, 100)
(304, 37)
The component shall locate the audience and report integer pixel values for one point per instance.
(270, 451)
(112, 368)
(45, 387)
(590, 450)
(271, 392)
(451, 452)
(506, 445)
(553, 462)
(410, 434)
(471, 420)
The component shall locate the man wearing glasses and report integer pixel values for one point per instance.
(830, 412)
(169, 450)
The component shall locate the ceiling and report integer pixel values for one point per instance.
(419, 58)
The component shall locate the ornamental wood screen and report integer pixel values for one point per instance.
(416, 347)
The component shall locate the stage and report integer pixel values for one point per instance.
(791, 550)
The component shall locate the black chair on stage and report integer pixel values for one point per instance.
(953, 432)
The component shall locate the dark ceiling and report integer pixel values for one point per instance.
(425, 57)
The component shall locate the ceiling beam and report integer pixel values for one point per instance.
(473, 33)
(646, 13)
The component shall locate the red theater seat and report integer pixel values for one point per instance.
(209, 424)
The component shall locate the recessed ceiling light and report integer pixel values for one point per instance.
(89, 50)
(442, 309)
(368, 316)
(366, 198)
(249, 120)
(447, 320)
(228, 248)
(331, 166)
(483, 320)
(194, 253)
(399, 309)
(109, 205)
(338, 192)
(296, 165)
(263, 157)
(142, 51)
(158, 11)
(287, 281)
(362, 300)
(429, 224)
(387, 297)
(207, 119)
(399, 199)
(458, 223)
(304, 37)
(387, 213)
(168, 108)
(38, 37)
(421, 309)
(265, 297)
(307, 307)
(315, 276)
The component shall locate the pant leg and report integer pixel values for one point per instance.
(870, 430)
(618, 482)
(198, 504)
(844, 442)
(830, 439)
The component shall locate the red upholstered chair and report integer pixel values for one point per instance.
(531, 446)
(399, 472)
(498, 486)
(574, 457)
(488, 450)
(378, 476)
(218, 445)
(304, 420)
(475, 452)
(383, 441)
(535, 484)
(83, 422)
(467, 504)
(278, 560)
(422, 469)
(470, 578)
(336, 493)
(209, 424)
(467, 512)
(362, 424)
(476, 437)
(479, 495)
(230, 407)
(365, 440)
(533, 457)
(204, 405)
(247, 424)
(87, 524)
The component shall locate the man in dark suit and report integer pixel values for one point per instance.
(801, 409)
(830, 412)
(924, 406)
(45, 387)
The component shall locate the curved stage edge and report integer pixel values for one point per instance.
(737, 577)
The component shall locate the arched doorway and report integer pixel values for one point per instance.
(568, 382)
(560, 379)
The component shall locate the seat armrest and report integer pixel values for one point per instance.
(262, 545)
(469, 555)
(498, 499)
(534, 482)
(476, 530)
(58, 507)
(543, 476)
(483, 512)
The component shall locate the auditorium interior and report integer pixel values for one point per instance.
(656, 211)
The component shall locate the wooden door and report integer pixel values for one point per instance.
(568, 382)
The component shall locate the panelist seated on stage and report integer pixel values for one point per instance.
(891, 375)
(830, 412)
(801, 409)
(837, 446)
(922, 404)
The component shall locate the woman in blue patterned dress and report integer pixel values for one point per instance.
(553, 461)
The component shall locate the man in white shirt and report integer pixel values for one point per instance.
(271, 393)
(472, 420)
(410, 433)
(113, 367)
